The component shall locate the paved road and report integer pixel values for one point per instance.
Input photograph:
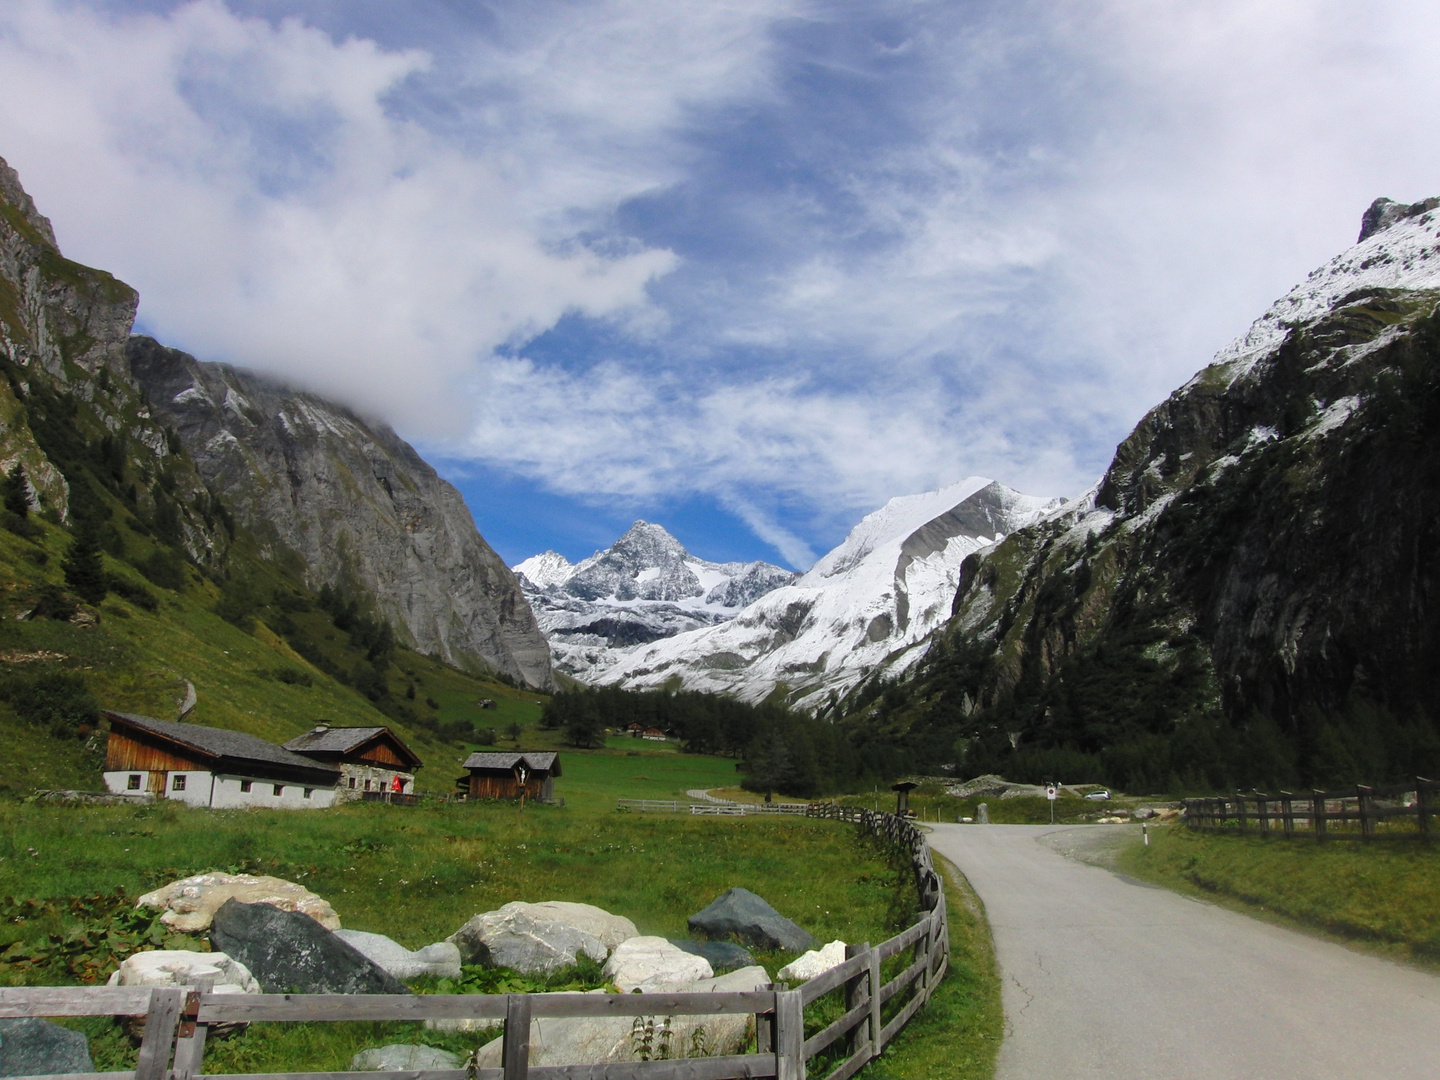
(1108, 977)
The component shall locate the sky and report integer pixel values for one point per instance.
(747, 268)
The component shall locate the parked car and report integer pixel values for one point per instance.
(1100, 793)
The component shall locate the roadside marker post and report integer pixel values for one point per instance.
(1052, 793)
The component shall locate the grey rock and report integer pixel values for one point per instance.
(982, 814)
(31, 1047)
(651, 964)
(288, 952)
(400, 1057)
(722, 955)
(742, 914)
(441, 960)
(355, 501)
(513, 937)
(1383, 213)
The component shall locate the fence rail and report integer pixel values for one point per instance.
(722, 809)
(1359, 813)
(178, 1019)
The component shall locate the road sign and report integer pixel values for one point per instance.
(1052, 792)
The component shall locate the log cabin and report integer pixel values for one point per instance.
(210, 767)
(499, 775)
(369, 758)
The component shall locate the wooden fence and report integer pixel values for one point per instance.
(724, 809)
(177, 1020)
(1358, 813)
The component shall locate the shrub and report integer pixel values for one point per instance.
(164, 568)
(57, 700)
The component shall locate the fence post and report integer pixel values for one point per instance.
(1262, 809)
(515, 1050)
(1422, 806)
(159, 1039)
(1363, 796)
(789, 1036)
(855, 995)
(875, 984)
(1240, 805)
(190, 1045)
(1317, 814)
(1288, 812)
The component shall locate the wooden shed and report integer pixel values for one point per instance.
(212, 767)
(500, 775)
(369, 758)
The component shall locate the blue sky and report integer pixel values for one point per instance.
(747, 269)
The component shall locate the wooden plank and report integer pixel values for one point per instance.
(515, 1047)
(898, 1021)
(190, 1044)
(857, 993)
(238, 1008)
(714, 1068)
(74, 1001)
(874, 991)
(902, 940)
(86, 1076)
(903, 980)
(398, 1074)
(841, 1027)
(850, 1066)
(789, 1036)
(826, 981)
(160, 1022)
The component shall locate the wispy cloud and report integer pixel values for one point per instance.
(792, 257)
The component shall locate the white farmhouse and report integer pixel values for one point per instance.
(211, 767)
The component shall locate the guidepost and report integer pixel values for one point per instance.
(1052, 792)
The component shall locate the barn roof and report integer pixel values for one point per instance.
(219, 743)
(324, 739)
(538, 760)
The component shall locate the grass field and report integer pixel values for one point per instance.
(1384, 895)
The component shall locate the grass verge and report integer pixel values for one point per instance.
(956, 1036)
(1381, 895)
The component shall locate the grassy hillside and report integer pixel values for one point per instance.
(136, 650)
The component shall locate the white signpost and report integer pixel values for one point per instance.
(1052, 793)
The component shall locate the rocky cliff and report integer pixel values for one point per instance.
(355, 501)
(1249, 595)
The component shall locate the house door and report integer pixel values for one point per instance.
(158, 782)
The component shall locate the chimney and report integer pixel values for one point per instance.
(320, 728)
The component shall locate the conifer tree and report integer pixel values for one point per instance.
(84, 569)
(17, 496)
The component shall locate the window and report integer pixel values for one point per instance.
(133, 784)
(177, 782)
(244, 785)
(367, 785)
(352, 781)
(309, 791)
(279, 790)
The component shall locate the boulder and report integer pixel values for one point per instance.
(512, 937)
(292, 953)
(441, 959)
(609, 930)
(564, 1040)
(650, 964)
(815, 962)
(30, 1047)
(403, 1058)
(742, 914)
(188, 906)
(180, 967)
(722, 955)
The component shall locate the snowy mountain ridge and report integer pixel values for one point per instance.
(878, 593)
(643, 588)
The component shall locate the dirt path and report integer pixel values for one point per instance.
(1105, 976)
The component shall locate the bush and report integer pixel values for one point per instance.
(126, 589)
(21, 526)
(57, 700)
(164, 568)
(53, 602)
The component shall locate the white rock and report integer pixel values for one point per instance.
(512, 937)
(180, 967)
(441, 959)
(652, 963)
(401, 1057)
(609, 929)
(815, 962)
(597, 1040)
(190, 904)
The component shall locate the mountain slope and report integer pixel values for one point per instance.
(1249, 593)
(355, 502)
(645, 587)
(875, 596)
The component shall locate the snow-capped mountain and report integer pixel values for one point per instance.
(643, 588)
(880, 592)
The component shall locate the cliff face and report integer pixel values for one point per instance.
(1250, 592)
(357, 504)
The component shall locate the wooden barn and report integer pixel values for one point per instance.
(369, 758)
(212, 767)
(501, 775)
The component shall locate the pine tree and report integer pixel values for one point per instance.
(84, 569)
(17, 494)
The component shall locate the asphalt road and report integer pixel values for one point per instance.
(1107, 977)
